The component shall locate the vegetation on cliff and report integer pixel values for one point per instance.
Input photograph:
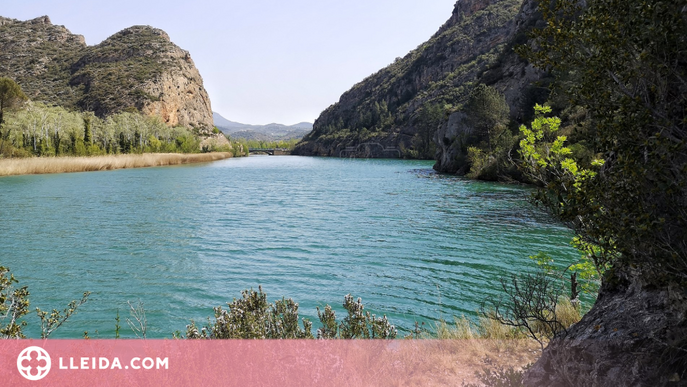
(391, 106)
(138, 69)
(624, 63)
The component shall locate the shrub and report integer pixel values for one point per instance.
(14, 304)
(252, 317)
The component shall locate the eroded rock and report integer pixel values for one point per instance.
(137, 68)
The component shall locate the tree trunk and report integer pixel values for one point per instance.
(635, 335)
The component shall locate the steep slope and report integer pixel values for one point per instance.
(38, 55)
(509, 74)
(386, 106)
(137, 68)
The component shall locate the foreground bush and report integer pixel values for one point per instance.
(252, 317)
(14, 304)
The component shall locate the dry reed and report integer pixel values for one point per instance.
(485, 344)
(491, 344)
(42, 165)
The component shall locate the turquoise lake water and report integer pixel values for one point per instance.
(415, 245)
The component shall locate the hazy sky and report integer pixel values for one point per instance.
(263, 61)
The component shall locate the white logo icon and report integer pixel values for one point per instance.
(33, 363)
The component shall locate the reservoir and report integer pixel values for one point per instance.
(413, 244)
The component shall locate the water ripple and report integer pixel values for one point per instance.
(414, 244)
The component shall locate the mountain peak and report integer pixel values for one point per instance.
(136, 68)
(141, 30)
(41, 20)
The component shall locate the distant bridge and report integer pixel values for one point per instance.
(370, 150)
(270, 151)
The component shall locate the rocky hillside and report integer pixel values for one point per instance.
(474, 45)
(137, 68)
(509, 74)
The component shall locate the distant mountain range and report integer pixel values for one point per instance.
(269, 132)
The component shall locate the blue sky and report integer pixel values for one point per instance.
(263, 61)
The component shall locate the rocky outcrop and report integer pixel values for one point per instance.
(509, 74)
(635, 335)
(137, 68)
(38, 55)
(140, 67)
(385, 106)
(213, 141)
(453, 139)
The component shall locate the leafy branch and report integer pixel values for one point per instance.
(54, 320)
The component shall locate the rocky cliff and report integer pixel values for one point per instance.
(510, 75)
(137, 68)
(474, 45)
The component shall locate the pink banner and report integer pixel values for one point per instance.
(235, 362)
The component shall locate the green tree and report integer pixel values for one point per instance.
(628, 63)
(429, 119)
(625, 62)
(87, 137)
(11, 96)
(487, 113)
(253, 317)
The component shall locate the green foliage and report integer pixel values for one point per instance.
(482, 163)
(52, 321)
(11, 97)
(548, 161)
(625, 63)
(588, 271)
(487, 113)
(330, 327)
(42, 130)
(429, 119)
(362, 325)
(188, 143)
(253, 317)
(14, 304)
(87, 129)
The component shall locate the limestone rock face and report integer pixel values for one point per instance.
(140, 67)
(183, 99)
(137, 68)
(452, 141)
(635, 335)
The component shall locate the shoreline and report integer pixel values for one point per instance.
(69, 164)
